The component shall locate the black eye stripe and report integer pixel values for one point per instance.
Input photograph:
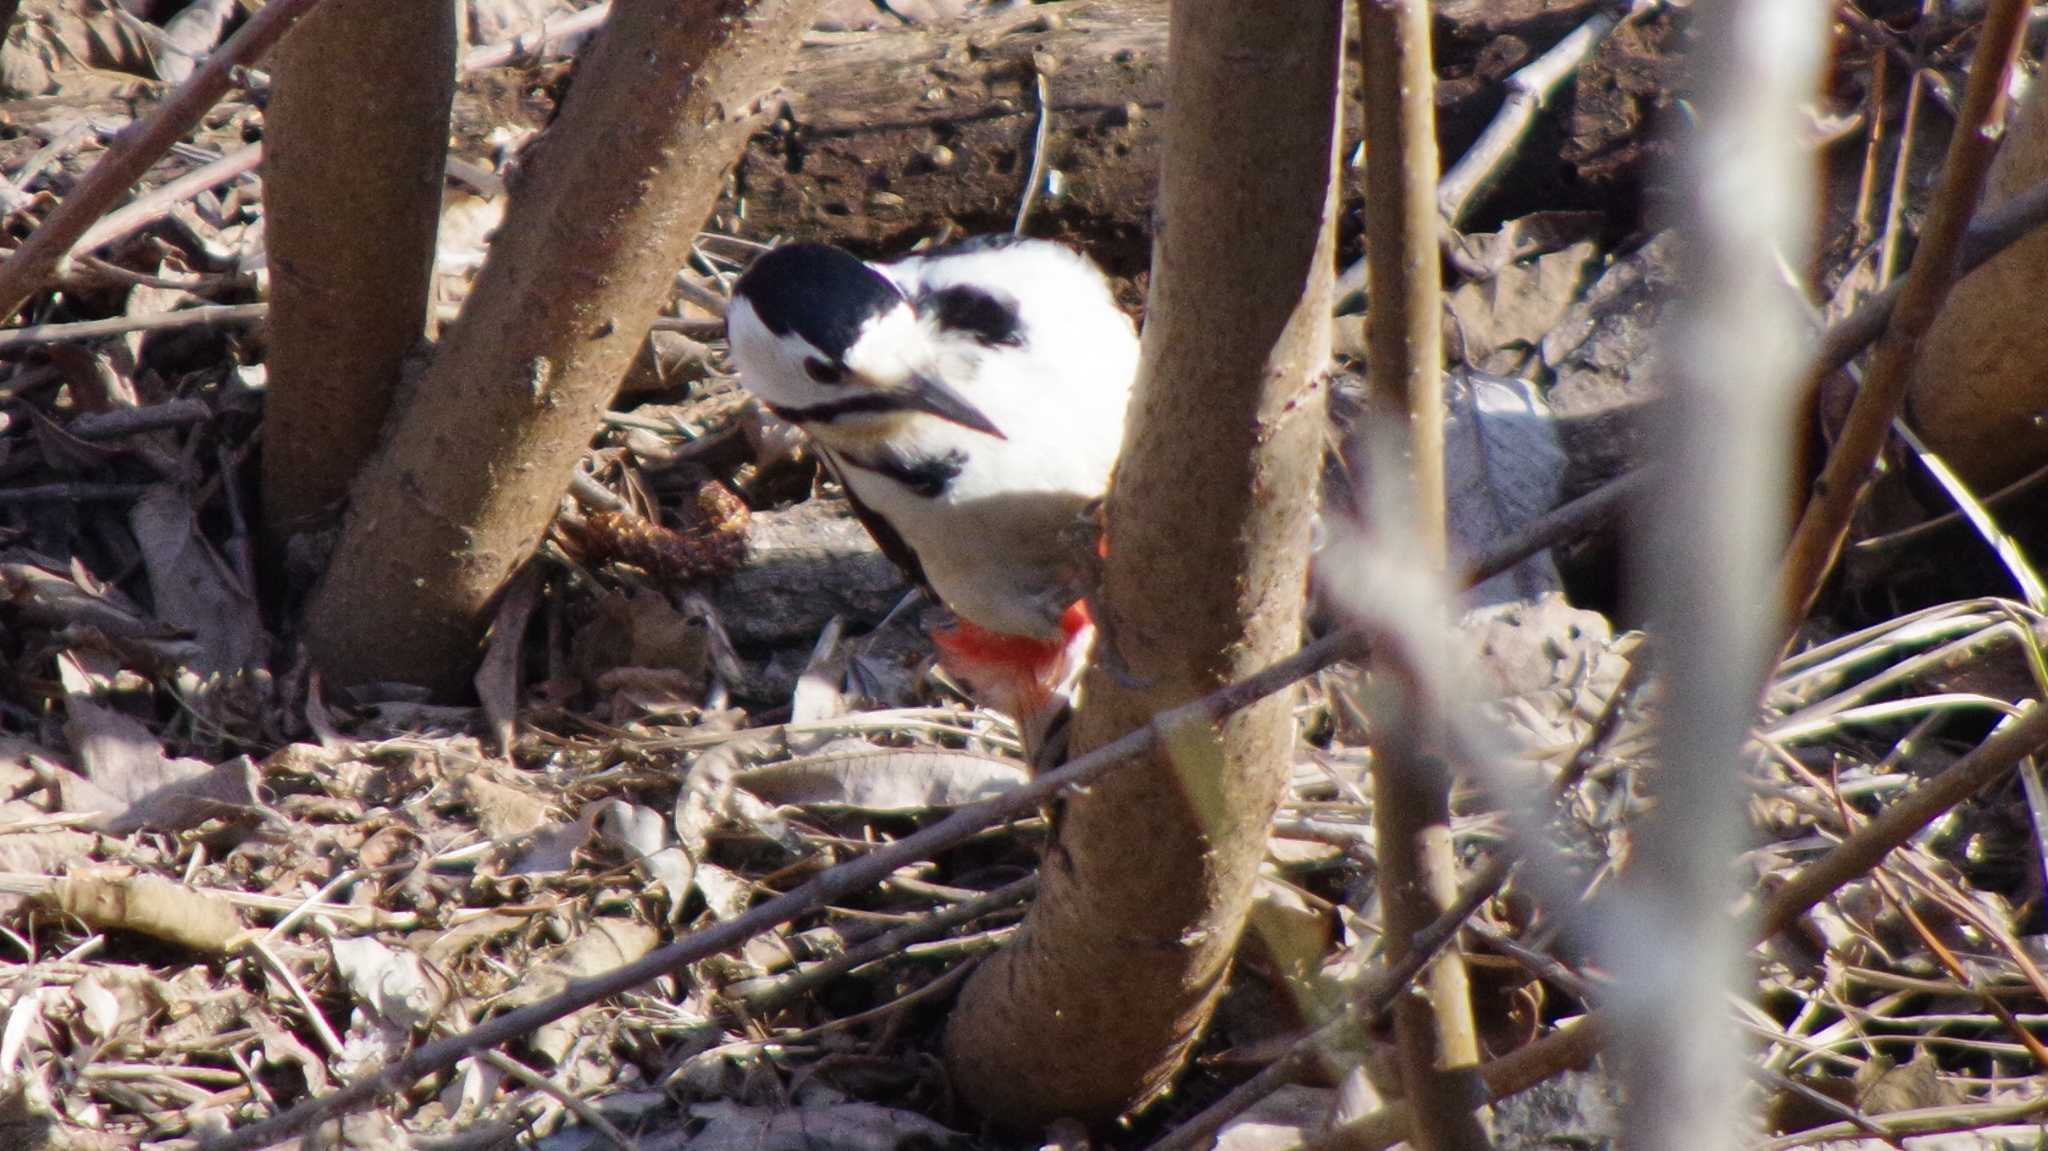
(824, 371)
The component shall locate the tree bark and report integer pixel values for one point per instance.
(1095, 1007)
(1977, 386)
(481, 453)
(355, 140)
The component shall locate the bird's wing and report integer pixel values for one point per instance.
(893, 545)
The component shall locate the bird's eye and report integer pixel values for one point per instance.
(824, 371)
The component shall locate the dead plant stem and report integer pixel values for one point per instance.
(1825, 525)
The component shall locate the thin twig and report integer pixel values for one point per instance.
(2001, 542)
(156, 203)
(1895, 198)
(1037, 175)
(314, 1017)
(1818, 539)
(1855, 855)
(828, 886)
(1435, 1033)
(1529, 88)
(119, 422)
(577, 1105)
(1898, 1125)
(1573, 1045)
(1894, 542)
(31, 265)
(77, 493)
(1990, 233)
(767, 994)
(1565, 522)
(1873, 151)
(1904, 818)
(537, 41)
(205, 315)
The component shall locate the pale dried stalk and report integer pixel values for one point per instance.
(1528, 89)
(1710, 538)
(1411, 780)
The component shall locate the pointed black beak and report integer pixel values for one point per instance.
(924, 394)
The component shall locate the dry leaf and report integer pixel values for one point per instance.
(150, 905)
(842, 1126)
(607, 943)
(125, 777)
(397, 985)
(497, 677)
(502, 812)
(193, 586)
(859, 775)
(1504, 467)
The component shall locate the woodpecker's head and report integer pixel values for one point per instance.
(827, 342)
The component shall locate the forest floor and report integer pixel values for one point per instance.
(226, 887)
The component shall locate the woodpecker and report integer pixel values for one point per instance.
(971, 400)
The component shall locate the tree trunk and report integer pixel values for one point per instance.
(1978, 386)
(1146, 888)
(482, 452)
(355, 139)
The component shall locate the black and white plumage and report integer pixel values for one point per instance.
(971, 398)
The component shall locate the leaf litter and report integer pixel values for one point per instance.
(224, 887)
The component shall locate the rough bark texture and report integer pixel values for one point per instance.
(1144, 893)
(1978, 386)
(804, 566)
(481, 453)
(355, 139)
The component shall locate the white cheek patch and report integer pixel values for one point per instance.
(889, 349)
(772, 366)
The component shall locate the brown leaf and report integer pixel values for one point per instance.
(848, 1126)
(610, 942)
(150, 905)
(497, 677)
(502, 812)
(194, 587)
(49, 598)
(124, 775)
